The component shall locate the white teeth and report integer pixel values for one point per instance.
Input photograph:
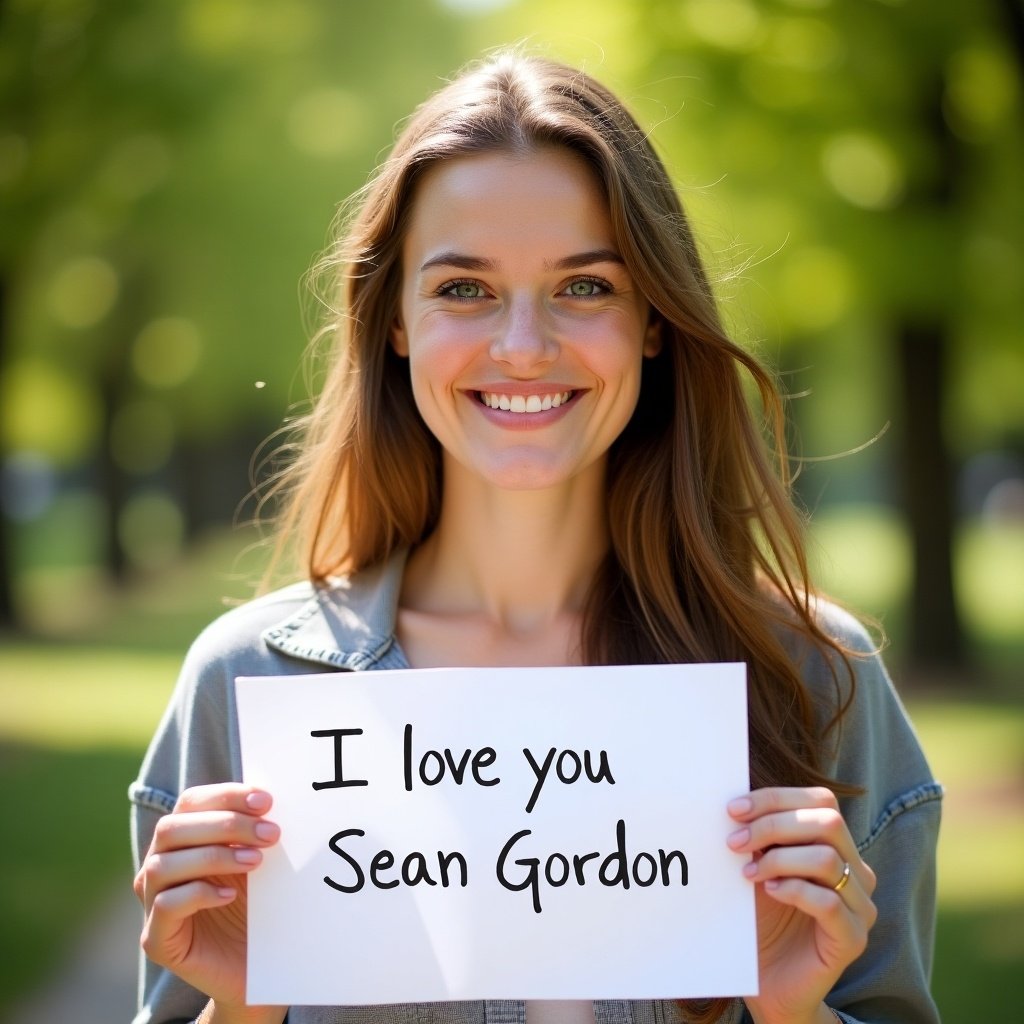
(524, 403)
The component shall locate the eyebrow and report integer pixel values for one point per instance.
(462, 261)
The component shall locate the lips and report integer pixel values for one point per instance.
(526, 404)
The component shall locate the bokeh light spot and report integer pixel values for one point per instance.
(817, 287)
(45, 410)
(727, 24)
(227, 27)
(83, 292)
(151, 530)
(327, 122)
(806, 44)
(863, 170)
(28, 485)
(981, 93)
(167, 352)
(475, 6)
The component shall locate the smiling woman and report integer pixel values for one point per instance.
(534, 447)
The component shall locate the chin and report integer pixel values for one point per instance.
(530, 475)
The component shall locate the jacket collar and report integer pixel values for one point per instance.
(348, 624)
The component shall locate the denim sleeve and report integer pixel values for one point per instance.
(891, 981)
(195, 743)
(894, 821)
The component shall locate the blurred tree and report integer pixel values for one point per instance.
(167, 170)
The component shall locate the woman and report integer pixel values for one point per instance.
(534, 448)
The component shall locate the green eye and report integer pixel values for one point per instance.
(464, 290)
(586, 288)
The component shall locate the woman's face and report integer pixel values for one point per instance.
(522, 326)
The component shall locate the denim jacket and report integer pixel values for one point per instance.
(350, 626)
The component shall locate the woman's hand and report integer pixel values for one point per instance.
(813, 917)
(192, 885)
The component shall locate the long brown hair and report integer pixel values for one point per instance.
(706, 561)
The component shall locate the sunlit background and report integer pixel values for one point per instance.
(168, 172)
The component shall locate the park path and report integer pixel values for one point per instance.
(95, 984)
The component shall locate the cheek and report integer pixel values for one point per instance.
(616, 358)
(438, 361)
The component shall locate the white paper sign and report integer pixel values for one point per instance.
(543, 833)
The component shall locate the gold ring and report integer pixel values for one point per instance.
(844, 878)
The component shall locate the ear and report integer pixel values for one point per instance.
(652, 336)
(397, 337)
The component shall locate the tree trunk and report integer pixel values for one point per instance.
(936, 637)
(935, 631)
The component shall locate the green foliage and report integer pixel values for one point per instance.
(177, 164)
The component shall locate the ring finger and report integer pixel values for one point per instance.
(820, 864)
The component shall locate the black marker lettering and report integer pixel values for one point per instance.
(484, 758)
(615, 871)
(339, 781)
(527, 862)
(540, 772)
(433, 766)
(414, 869)
(666, 859)
(407, 757)
(333, 844)
(604, 773)
(574, 772)
(443, 862)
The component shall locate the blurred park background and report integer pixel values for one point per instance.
(169, 169)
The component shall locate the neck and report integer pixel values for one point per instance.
(521, 559)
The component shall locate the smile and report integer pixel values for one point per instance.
(524, 403)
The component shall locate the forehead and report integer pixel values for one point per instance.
(546, 198)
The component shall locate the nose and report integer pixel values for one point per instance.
(524, 339)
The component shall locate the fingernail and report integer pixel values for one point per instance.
(772, 883)
(225, 893)
(266, 830)
(247, 856)
(257, 801)
(741, 805)
(738, 838)
(750, 869)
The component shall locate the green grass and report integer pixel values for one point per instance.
(75, 723)
(979, 963)
(65, 846)
(83, 698)
(977, 751)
